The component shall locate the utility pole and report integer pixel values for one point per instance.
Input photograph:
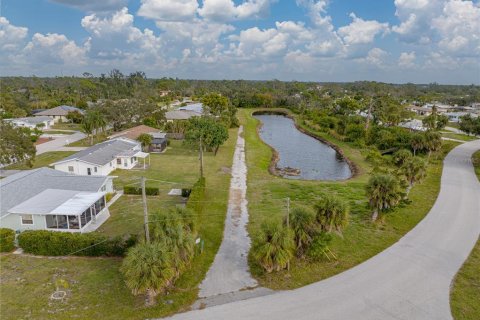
(201, 156)
(145, 211)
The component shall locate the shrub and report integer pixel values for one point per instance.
(197, 196)
(186, 192)
(149, 191)
(54, 243)
(109, 196)
(319, 247)
(7, 238)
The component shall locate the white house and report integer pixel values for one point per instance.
(103, 158)
(455, 116)
(41, 122)
(47, 199)
(59, 114)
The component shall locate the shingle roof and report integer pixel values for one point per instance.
(135, 132)
(58, 111)
(24, 185)
(31, 120)
(104, 152)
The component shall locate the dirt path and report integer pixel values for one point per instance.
(229, 272)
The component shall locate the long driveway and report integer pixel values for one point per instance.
(59, 142)
(409, 280)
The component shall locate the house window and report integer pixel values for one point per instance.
(131, 160)
(27, 218)
(125, 164)
(119, 161)
(89, 171)
(95, 169)
(70, 168)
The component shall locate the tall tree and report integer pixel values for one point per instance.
(16, 145)
(146, 140)
(383, 192)
(414, 170)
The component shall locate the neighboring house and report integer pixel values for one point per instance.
(414, 125)
(103, 158)
(180, 115)
(195, 107)
(159, 139)
(47, 199)
(59, 114)
(423, 111)
(41, 122)
(455, 116)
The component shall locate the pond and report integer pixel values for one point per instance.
(301, 156)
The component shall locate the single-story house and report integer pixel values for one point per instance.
(180, 115)
(48, 199)
(455, 116)
(103, 158)
(423, 111)
(195, 107)
(159, 139)
(41, 122)
(59, 114)
(414, 125)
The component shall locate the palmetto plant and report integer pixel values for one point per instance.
(383, 192)
(304, 228)
(148, 269)
(275, 247)
(331, 213)
(414, 170)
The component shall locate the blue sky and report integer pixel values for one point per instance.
(397, 41)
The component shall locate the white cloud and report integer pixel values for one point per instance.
(376, 57)
(317, 11)
(225, 10)
(361, 31)
(168, 10)
(11, 37)
(94, 5)
(53, 48)
(407, 59)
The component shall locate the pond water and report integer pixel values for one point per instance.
(315, 160)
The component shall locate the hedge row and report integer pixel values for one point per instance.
(149, 191)
(54, 243)
(197, 196)
(7, 239)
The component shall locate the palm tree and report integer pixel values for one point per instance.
(275, 247)
(401, 157)
(88, 128)
(417, 142)
(148, 269)
(433, 141)
(331, 214)
(383, 191)
(302, 223)
(146, 140)
(414, 170)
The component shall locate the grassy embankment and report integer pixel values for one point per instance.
(360, 240)
(457, 136)
(465, 295)
(96, 288)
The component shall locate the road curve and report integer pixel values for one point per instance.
(409, 280)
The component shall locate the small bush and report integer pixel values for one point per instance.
(109, 196)
(54, 243)
(149, 191)
(186, 192)
(7, 238)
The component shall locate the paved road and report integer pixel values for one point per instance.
(229, 271)
(59, 142)
(409, 280)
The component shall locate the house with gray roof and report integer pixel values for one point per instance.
(59, 114)
(181, 115)
(42, 122)
(102, 158)
(48, 199)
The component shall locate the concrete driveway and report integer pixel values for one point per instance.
(409, 280)
(59, 142)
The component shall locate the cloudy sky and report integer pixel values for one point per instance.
(396, 41)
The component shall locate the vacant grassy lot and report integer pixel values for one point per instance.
(67, 126)
(360, 240)
(465, 295)
(58, 132)
(42, 160)
(96, 288)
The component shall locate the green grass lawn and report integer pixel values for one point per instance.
(465, 295)
(67, 126)
(457, 136)
(85, 142)
(42, 160)
(58, 132)
(96, 287)
(360, 240)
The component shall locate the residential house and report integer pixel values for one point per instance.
(41, 122)
(180, 115)
(59, 114)
(102, 158)
(195, 107)
(455, 116)
(47, 199)
(413, 125)
(159, 139)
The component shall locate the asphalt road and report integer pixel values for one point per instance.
(409, 280)
(59, 142)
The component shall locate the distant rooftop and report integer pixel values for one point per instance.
(135, 132)
(31, 120)
(58, 111)
(181, 114)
